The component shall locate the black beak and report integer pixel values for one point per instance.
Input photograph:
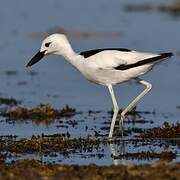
(36, 58)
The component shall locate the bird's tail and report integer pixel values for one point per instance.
(151, 60)
(166, 55)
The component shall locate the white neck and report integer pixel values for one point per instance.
(71, 56)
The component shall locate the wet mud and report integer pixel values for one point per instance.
(34, 170)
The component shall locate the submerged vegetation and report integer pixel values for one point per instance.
(64, 145)
(54, 143)
(167, 131)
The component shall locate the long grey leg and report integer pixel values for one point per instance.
(148, 87)
(115, 109)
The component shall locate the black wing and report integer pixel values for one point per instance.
(143, 62)
(89, 53)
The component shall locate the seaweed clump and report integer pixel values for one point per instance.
(167, 131)
(147, 155)
(41, 111)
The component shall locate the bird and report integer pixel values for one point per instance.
(105, 66)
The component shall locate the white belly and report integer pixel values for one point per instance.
(112, 76)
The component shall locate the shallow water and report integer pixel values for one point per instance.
(57, 83)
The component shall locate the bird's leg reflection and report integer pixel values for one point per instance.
(40, 150)
(121, 125)
(118, 158)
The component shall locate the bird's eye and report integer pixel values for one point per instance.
(47, 44)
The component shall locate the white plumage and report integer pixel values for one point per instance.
(100, 68)
(107, 67)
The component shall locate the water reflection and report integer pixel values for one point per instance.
(118, 153)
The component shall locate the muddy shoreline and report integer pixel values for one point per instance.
(28, 169)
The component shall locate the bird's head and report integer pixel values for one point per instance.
(53, 44)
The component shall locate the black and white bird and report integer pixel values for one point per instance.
(106, 67)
